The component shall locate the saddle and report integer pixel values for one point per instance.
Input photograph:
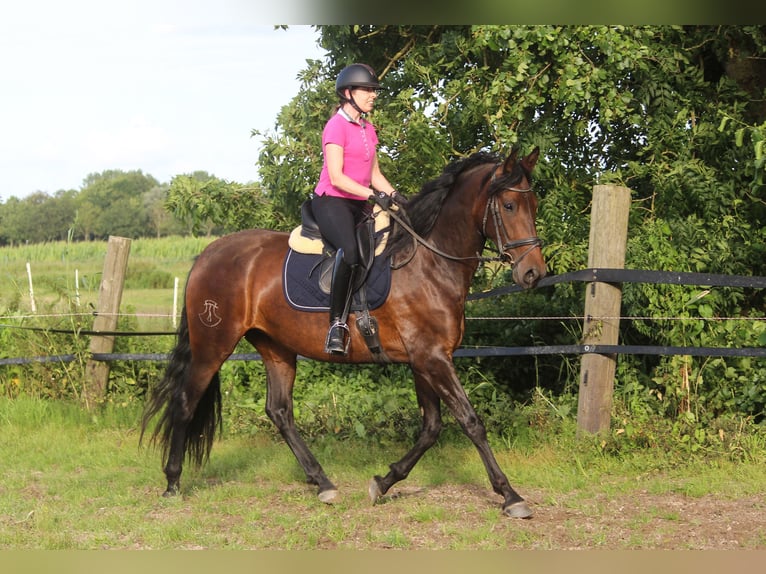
(310, 261)
(306, 238)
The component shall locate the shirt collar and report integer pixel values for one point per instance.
(362, 122)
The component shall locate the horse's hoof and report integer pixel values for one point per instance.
(518, 510)
(171, 492)
(328, 496)
(374, 491)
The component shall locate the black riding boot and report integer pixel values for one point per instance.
(340, 301)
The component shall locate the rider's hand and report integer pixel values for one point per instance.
(382, 199)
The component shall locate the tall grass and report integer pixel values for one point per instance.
(166, 249)
(153, 267)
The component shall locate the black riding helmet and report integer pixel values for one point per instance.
(355, 76)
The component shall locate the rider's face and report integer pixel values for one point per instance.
(365, 98)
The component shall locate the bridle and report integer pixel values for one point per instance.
(502, 241)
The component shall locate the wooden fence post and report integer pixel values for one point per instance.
(608, 240)
(109, 298)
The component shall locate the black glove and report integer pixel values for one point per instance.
(382, 199)
(399, 199)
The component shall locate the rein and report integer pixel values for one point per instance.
(432, 247)
(502, 256)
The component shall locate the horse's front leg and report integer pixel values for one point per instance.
(441, 380)
(430, 408)
(452, 393)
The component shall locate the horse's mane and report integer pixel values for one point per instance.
(424, 207)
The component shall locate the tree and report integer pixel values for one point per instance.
(38, 217)
(110, 203)
(206, 204)
(161, 221)
(635, 105)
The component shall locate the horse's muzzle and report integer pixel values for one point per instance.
(530, 277)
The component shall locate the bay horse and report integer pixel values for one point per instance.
(234, 290)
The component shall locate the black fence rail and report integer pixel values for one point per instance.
(590, 275)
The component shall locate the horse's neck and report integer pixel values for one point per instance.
(458, 269)
(457, 235)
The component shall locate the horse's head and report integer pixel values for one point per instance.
(509, 218)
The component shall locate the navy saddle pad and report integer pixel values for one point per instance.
(300, 280)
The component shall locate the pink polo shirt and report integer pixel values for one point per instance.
(359, 143)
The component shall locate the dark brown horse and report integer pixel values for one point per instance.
(234, 290)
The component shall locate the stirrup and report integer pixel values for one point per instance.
(337, 341)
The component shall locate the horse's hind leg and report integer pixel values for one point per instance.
(192, 418)
(280, 367)
(188, 402)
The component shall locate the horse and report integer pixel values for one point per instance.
(234, 290)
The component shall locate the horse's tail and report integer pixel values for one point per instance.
(167, 397)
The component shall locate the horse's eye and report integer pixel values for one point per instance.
(509, 206)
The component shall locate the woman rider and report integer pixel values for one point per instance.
(350, 176)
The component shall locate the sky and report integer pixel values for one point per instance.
(164, 86)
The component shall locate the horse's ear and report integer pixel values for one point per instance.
(510, 161)
(529, 162)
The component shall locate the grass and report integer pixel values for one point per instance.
(74, 480)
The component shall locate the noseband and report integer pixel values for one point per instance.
(502, 238)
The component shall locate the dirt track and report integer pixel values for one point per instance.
(635, 521)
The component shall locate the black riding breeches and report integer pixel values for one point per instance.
(337, 218)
